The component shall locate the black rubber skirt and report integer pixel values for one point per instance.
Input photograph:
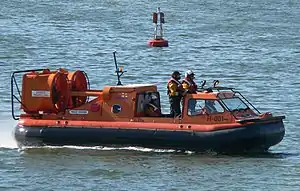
(258, 136)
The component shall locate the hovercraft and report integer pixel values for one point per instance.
(58, 108)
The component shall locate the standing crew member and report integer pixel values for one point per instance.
(189, 84)
(175, 92)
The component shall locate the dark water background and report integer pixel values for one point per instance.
(252, 45)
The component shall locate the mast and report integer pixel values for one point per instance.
(119, 71)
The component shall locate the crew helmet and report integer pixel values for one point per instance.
(189, 73)
(153, 97)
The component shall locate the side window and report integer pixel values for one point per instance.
(195, 107)
(198, 107)
(213, 106)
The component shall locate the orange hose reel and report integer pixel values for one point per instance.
(78, 82)
(45, 91)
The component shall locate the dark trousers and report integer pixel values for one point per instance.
(175, 105)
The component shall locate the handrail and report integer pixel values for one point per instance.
(211, 89)
(248, 102)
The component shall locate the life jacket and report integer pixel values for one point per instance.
(179, 87)
(192, 85)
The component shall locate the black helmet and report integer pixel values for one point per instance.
(176, 74)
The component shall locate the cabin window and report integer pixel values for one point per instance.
(198, 107)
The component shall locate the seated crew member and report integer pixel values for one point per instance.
(175, 93)
(151, 109)
(210, 106)
(189, 84)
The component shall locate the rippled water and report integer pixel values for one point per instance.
(251, 45)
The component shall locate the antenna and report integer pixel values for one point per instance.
(119, 71)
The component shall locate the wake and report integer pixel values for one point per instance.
(6, 134)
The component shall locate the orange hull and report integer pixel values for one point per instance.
(126, 125)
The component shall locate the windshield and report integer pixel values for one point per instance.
(234, 104)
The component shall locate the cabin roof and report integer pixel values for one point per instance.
(134, 86)
(130, 88)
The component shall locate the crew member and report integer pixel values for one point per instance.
(152, 110)
(210, 106)
(175, 93)
(189, 84)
